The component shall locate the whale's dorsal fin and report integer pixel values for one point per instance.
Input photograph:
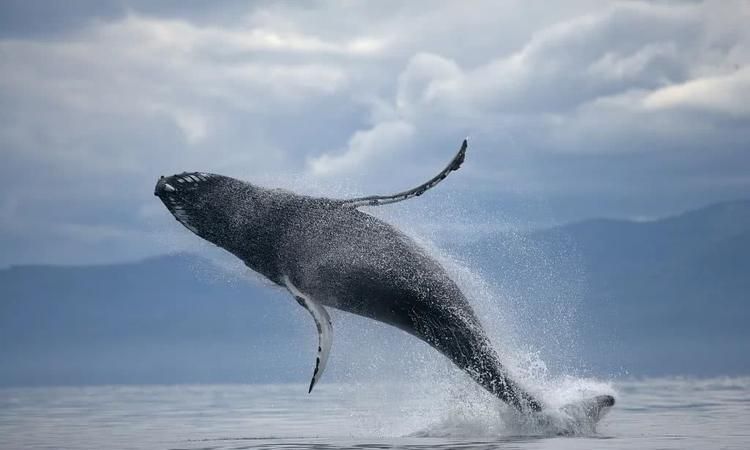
(372, 200)
(322, 323)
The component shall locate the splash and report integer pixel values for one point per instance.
(515, 325)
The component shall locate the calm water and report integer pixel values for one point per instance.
(658, 413)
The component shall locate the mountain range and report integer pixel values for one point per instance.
(602, 297)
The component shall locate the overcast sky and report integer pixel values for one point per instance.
(574, 109)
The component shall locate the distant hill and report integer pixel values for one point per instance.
(670, 296)
(641, 298)
(163, 320)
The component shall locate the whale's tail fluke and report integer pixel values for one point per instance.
(588, 411)
(373, 200)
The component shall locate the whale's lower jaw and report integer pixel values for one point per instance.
(177, 191)
(179, 212)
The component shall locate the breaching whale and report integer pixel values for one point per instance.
(328, 253)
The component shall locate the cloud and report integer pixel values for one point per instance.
(586, 104)
(614, 81)
(169, 68)
(723, 94)
(628, 47)
(364, 149)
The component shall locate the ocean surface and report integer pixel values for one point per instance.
(654, 413)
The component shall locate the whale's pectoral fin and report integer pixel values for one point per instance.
(372, 200)
(322, 323)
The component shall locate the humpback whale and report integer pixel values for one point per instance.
(329, 254)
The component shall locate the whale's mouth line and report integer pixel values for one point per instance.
(179, 211)
(173, 190)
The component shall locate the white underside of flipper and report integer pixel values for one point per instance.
(322, 323)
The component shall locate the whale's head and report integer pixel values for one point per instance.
(199, 201)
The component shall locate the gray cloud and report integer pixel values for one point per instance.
(594, 108)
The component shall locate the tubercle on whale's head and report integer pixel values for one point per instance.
(197, 200)
(183, 182)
